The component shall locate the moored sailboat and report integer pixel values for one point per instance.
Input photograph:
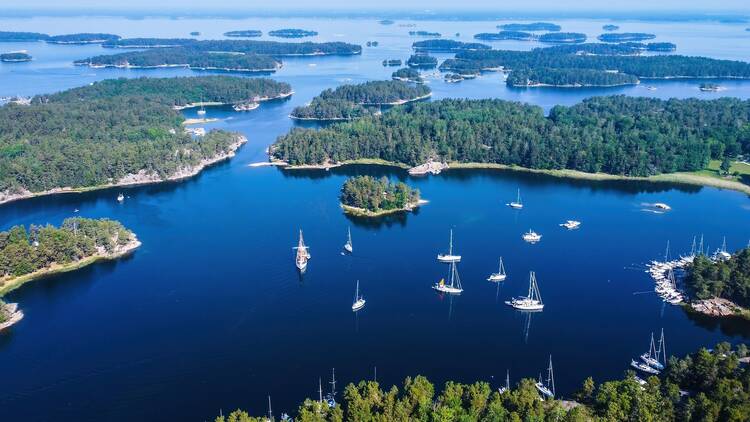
(348, 245)
(653, 357)
(517, 204)
(499, 275)
(303, 255)
(531, 236)
(455, 282)
(547, 388)
(359, 301)
(449, 257)
(531, 302)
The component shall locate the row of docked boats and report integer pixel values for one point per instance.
(654, 360)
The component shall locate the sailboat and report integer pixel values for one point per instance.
(643, 367)
(120, 197)
(547, 388)
(449, 257)
(501, 390)
(348, 245)
(202, 111)
(499, 275)
(722, 254)
(517, 204)
(532, 302)
(531, 236)
(331, 397)
(359, 301)
(653, 357)
(454, 287)
(302, 253)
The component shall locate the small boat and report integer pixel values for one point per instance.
(120, 198)
(721, 254)
(571, 224)
(662, 206)
(651, 88)
(75, 210)
(455, 286)
(499, 275)
(652, 358)
(531, 236)
(359, 301)
(245, 106)
(547, 388)
(449, 257)
(348, 245)
(302, 254)
(202, 111)
(331, 397)
(501, 390)
(531, 302)
(517, 204)
(643, 367)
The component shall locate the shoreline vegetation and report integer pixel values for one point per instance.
(720, 286)
(126, 132)
(365, 196)
(77, 38)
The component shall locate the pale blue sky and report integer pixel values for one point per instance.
(249, 5)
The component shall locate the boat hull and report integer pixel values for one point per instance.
(449, 258)
(358, 305)
(497, 277)
(448, 289)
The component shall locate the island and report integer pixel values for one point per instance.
(661, 46)
(506, 35)
(190, 58)
(372, 43)
(348, 102)
(720, 287)
(424, 34)
(705, 382)
(568, 78)
(247, 33)
(407, 74)
(422, 61)
(453, 78)
(392, 62)
(625, 36)
(610, 27)
(292, 33)
(195, 33)
(11, 36)
(563, 37)
(82, 38)
(15, 57)
(118, 132)
(595, 139)
(366, 196)
(27, 255)
(534, 26)
(447, 46)
(386, 22)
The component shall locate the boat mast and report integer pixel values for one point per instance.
(518, 196)
(333, 384)
(450, 246)
(349, 235)
(662, 348)
(501, 271)
(724, 245)
(356, 293)
(507, 379)
(270, 414)
(551, 377)
(701, 245)
(666, 254)
(692, 248)
(320, 391)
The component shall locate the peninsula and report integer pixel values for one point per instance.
(79, 38)
(407, 74)
(506, 35)
(272, 48)
(365, 196)
(563, 37)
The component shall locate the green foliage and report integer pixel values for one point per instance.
(534, 26)
(408, 74)
(421, 60)
(568, 77)
(625, 36)
(617, 135)
(424, 34)
(82, 38)
(188, 57)
(376, 195)
(248, 33)
(329, 109)
(728, 279)
(23, 252)
(11, 36)
(506, 35)
(444, 46)
(563, 37)
(292, 33)
(15, 57)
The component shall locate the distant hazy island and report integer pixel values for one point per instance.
(348, 102)
(392, 62)
(563, 37)
(421, 61)
(366, 196)
(447, 46)
(424, 34)
(386, 22)
(618, 135)
(15, 57)
(80, 38)
(185, 57)
(610, 27)
(273, 48)
(625, 37)
(407, 74)
(506, 35)
(247, 33)
(535, 26)
(117, 132)
(292, 33)
(26, 255)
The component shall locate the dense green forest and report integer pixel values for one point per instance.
(407, 74)
(271, 48)
(661, 46)
(15, 57)
(625, 36)
(292, 33)
(447, 46)
(247, 33)
(82, 38)
(424, 34)
(122, 127)
(568, 77)
(534, 26)
(728, 279)
(392, 62)
(376, 195)
(717, 386)
(563, 37)
(421, 60)
(329, 109)
(11, 36)
(189, 57)
(506, 35)
(617, 135)
(24, 251)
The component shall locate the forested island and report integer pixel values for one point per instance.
(534, 26)
(714, 382)
(610, 27)
(386, 22)
(127, 131)
(247, 33)
(80, 38)
(563, 37)
(367, 196)
(421, 61)
(26, 255)
(626, 37)
(568, 78)
(407, 74)
(447, 46)
(506, 35)
(191, 58)
(392, 62)
(292, 33)
(726, 279)
(616, 135)
(15, 57)
(272, 48)
(425, 34)
(661, 46)
(12, 36)
(348, 102)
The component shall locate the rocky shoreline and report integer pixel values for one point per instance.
(718, 307)
(13, 315)
(361, 212)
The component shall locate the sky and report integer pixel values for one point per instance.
(297, 5)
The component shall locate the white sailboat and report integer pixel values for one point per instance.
(302, 253)
(532, 302)
(120, 198)
(571, 224)
(331, 397)
(455, 282)
(359, 301)
(547, 388)
(721, 254)
(656, 357)
(499, 275)
(501, 390)
(202, 111)
(517, 204)
(531, 236)
(348, 245)
(643, 367)
(449, 257)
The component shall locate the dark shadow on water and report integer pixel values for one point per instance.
(728, 326)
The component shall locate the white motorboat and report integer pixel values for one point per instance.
(531, 236)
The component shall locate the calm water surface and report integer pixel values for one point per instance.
(210, 313)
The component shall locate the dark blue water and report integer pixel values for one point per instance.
(210, 313)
